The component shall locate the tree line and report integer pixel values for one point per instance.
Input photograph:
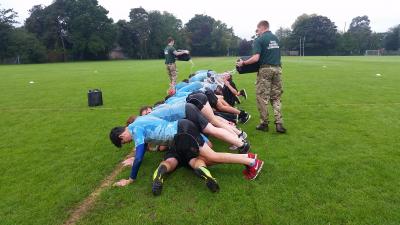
(72, 30)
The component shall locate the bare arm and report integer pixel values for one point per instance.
(233, 90)
(181, 52)
(251, 60)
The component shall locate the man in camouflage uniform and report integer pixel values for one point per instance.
(170, 54)
(269, 83)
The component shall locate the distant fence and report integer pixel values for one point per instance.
(389, 52)
(290, 53)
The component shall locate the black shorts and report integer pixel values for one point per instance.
(186, 143)
(193, 114)
(198, 99)
(183, 158)
(211, 97)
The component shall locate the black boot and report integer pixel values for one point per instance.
(262, 127)
(280, 128)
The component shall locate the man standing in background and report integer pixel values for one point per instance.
(269, 84)
(170, 54)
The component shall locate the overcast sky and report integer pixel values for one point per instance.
(244, 15)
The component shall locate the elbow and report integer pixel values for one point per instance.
(256, 58)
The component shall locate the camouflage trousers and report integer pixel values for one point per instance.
(269, 90)
(172, 72)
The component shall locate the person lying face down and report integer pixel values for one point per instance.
(150, 129)
(184, 110)
(200, 100)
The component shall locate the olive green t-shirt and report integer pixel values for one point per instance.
(169, 54)
(267, 45)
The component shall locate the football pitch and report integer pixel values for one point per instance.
(339, 163)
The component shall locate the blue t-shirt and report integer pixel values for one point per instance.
(169, 112)
(149, 129)
(175, 99)
(180, 85)
(191, 87)
(199, 77)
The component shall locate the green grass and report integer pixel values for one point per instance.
(338, 164)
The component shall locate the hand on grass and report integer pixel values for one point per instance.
(128, 161)
(123, 182)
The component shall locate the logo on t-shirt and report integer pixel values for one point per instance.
(272, 45)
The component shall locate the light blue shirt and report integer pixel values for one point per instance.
(191, 87)
(150, 129)
(180, 85)
(170, 112)
(199, 77)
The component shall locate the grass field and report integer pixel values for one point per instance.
(339, 163)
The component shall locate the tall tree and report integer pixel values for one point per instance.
(320, 34)
(360, 34)
(283, 35)
(392, 39)
(199, 30)
(7, 21)
(245, 47)
(162, 26)
(77, 26)
(139, 21)
(26, 47)
(209, 37)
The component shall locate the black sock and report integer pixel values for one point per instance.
(242, 114)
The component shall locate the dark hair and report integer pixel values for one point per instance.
(158, 103)
(167, 97)
(185, 80)
(191, 75)
(143, 108)
(170, 39)
(130, 120)
(114, 136)
(263, 23)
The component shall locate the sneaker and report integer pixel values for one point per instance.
(205, 174)
(262, 127)
(245, 148)
(280, 128)
(253, 171)
(252, 155)
(158, 180)
(243, 93)
(243, 135)
(237, 100)
(245, 118)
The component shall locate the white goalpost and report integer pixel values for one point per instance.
(372, 53)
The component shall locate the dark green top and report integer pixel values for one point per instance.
(169, 54)
(267, 45)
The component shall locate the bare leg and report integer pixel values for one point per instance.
(170, 164)
(227, 108)
(209, 114)
(223, 135)
(217, 157)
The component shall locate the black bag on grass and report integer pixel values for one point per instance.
(252, 68)
(95, 98)
(183, 57)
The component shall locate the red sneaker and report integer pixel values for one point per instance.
(252, 155)
(246, 173)
(253, 171)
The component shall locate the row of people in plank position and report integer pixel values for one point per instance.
(180, 125)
